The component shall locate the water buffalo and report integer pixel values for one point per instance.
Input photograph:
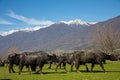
(93, 57)
(68, 58)
(54, 59)
(34, 59)
(13, 59)
(62, 59)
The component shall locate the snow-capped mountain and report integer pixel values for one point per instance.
(65, 35)
(71, 22)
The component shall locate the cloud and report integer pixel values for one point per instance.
(2, 21)
(30, 21)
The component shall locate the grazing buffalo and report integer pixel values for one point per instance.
(68, 58)
(54, 59)
(61, 60)
(93, 57)
(34, 59)
(57, 59)
(13, 59)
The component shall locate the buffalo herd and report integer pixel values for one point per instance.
(32, 60)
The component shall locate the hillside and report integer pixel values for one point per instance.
(57, 36)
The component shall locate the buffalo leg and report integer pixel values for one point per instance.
(29, 69)
(77, 66)
(57, 66)
(64, 65)
(60, 65)
(11, 68)
(49, 65)
(20, 68)
(72, 64)
(101, 65)
(40, 70)
(33, 67)
(87, 67)
(92, 66)
(104, 61)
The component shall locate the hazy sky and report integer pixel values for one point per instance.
(19, 14)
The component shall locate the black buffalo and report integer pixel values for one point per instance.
(68, 58)
(13, 59)
(54, 59)
(62, 59)
(93, 57)
(34, 59)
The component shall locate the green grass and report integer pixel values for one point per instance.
(112, 73)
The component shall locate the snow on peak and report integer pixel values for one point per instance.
(76, 21)
(71, 22)
(25, 30)
(93, 22)
(9, 32)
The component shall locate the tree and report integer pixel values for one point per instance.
(12, 49)
(107, 39)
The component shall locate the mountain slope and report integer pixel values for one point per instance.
(57, 36)
(114, 23)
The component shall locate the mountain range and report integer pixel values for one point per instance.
(72, 35)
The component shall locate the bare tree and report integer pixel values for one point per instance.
(108, 39)
(12, 49)
(1, 56)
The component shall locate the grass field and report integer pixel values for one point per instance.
(112, 73)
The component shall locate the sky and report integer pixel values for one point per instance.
(34, 14)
